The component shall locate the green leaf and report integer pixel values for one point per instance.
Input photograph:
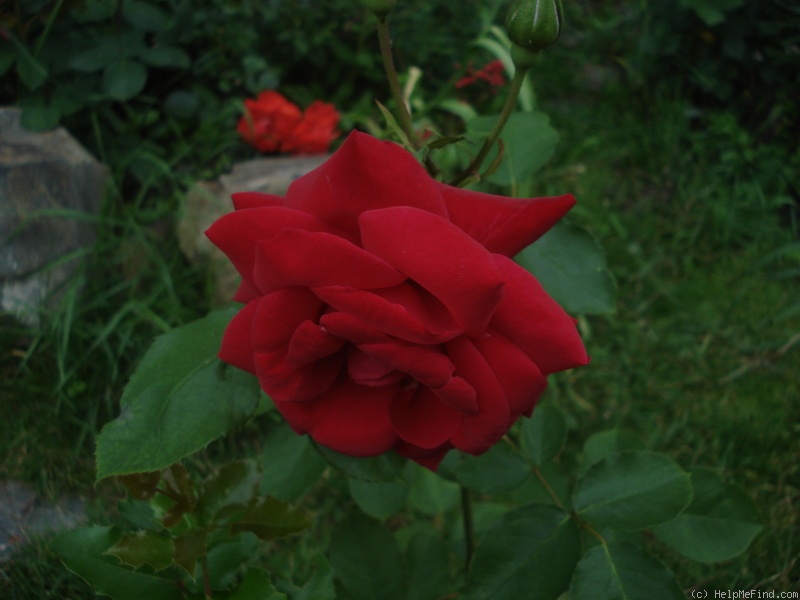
(529, 552)
(319, 587)
(256, 585)
(571, 265)
(431, 494)
(528, 140)
(386, 467)
(225, 560)
(189, 548)
(289, 464)
(611, 441)
(7, 58)
(534, 491)
(712, 12)
(145, 16)
(31, 72)
(632, 490)
(166, 56)
(378, 499)
(143, 548)
(235, 484)
(718, 524)
(39, 114)
(544, 434)
(618, 571)
(497, 471)
(428, 560)
(123, 79)
(82, 551)
(269, 518)
(178, 400)
(182, 104)
(366, 561)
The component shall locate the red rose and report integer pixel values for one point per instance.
(314, 134)
(382, 310)
(268, 121)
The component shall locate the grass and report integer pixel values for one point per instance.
(700, 357)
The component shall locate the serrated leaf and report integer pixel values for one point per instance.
(289, 464)
(82, 551)
(269, 518)
(235, 484)
(544, 434)
(528, 140)
(366, 561)
(571, 265)
(179, 399)
(497, 471)
(319, 587)
(141, 486)
(615, 571)
(256, 585)
(225, 560)
(431, 494)
(386, 467)
(123, 79)
(529, 552)
(718, 524)
(632, 490)
(393, 125)
(611, 441)
(143, 548)
(378, 499)
(189, 548)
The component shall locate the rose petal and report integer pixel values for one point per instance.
(364, 174)
(427, 365)
(238, 233)
(439, 257)
(246, 292)
(429, 459)
(351, 328)
(383, 310)
(480, 431)
(503, 225)
(350, 418)
(422, 419)
(536, 323)
(237, 342)
(279, 314)
(286, 382)
(458, 394)
(310, 342)
(368, 370)
(297, 257)
(519, 377)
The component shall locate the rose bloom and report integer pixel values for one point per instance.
(382, 310)
(268, 121)
(314, 134)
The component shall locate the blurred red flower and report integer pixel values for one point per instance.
(272, 123)
(493, 74)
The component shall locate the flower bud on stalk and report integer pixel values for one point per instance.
(381, 8)
(532, 25)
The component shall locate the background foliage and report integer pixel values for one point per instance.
(677, 134)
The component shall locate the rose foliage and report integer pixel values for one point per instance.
(382, 309)
(272, 123)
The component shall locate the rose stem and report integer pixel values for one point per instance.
(404, 117)
(508, 108)
(469, 532)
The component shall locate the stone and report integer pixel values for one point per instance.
(24, 515)
(51, 189)
(207, 201)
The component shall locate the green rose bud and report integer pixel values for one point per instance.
(534, 24)
(381, 8)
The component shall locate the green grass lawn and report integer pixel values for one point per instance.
(701, 357)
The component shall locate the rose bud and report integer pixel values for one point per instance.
(380, 8)
(534, 24)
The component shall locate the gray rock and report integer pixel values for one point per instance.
(23, 515)
(50, 191)
(206, 202)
